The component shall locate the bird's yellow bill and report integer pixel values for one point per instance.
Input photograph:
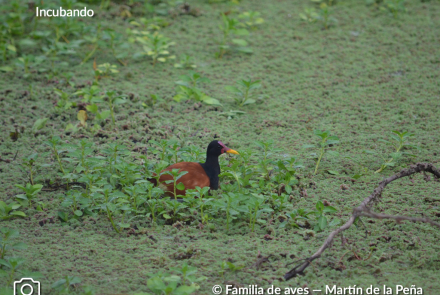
(231, 151)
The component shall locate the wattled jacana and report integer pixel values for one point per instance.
(199, 174)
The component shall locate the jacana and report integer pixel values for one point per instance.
(199, 174)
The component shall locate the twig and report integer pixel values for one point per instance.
(15, 157)
(363, 210)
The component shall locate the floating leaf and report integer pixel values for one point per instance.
(82, 117)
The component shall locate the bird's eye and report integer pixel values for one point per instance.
(219, 146)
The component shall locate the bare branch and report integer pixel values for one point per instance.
(364, 209)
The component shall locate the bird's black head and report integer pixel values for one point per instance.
(216, 148)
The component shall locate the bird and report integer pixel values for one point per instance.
(198, 174)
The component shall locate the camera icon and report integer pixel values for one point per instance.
(27, 286)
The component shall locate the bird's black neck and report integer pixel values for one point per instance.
(212, 169)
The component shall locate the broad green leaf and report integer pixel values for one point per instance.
(93, 108)
(39, 124)
(333, 172)
(18, 213)
(329, 209)
(6, 69)
(239, 42)
(322, 222)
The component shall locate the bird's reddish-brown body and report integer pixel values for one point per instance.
(196, 176)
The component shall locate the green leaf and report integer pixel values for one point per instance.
(319, 206)
(166, 216)
(249, 101)
(20, 246)
(333, 153)
(241, 32)
(333, 172)
(18, 213)
(330, 209)
(6, 69)
(335, 221)
(119, 101)
(78, 213)
(39, 124)
(239, 42)
(322, 222)
(209, 100)
(93, 108)
(180, 186)
(104, 114)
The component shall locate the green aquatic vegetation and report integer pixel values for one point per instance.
(321, 219)
(295, 217)
(91, 94)
(113, 100)
(399, 142)
(25, 62)
(327, 141)
(10, 211)
(231, 27)
(30, 191)
(95, 41)
(39, 124)
(186, 62)
(65, 285)
(105, 70)
(200, 193)
(243, 93)
(188, 89)
(118, 45)
(239, 172)
(54, 145)
(72, 202)
(28, 165)
(6, 243)
(65, 102)
(394, 7)
(8, 51)
(168, 284)
(176, 174)
(251, 19)
(154, 45)
(10, 263)
(151, 24)
(286, 172)
(309, 15)
(151, 101)
(265, 164)
(255, 207)
(324, 15)
(188, 274)
(231, 114)
(112, 203)
(228, 203)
